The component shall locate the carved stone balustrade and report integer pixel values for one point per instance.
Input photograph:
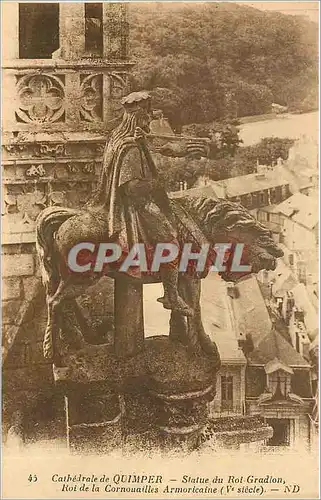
(78, 85)
(59, 95)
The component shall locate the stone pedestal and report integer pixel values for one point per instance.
(156, 398)
(93, 421)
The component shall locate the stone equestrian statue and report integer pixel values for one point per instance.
(130, 206)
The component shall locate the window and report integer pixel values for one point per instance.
(281, 432)
(249, 200)
(302, 274)
(38, 30)
(262, 198)
(227, 392)
(255, 199)
(94, 28)
(273, 196)
(274, 218)
(278, 194)
(262, 216)
(285, 191)
(281, 379)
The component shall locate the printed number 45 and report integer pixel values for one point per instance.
(32, 478)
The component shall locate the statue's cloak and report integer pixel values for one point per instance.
(128, 224)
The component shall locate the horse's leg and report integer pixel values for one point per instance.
(66, 315)
(190, 331)
(50, 348)
(184, 329)
(71, 324)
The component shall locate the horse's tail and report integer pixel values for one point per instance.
(48, 222)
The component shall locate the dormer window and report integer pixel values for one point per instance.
(278, 378)
(281, 381)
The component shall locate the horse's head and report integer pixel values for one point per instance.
(227, 222)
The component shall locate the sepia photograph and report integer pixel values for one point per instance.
(160, 249)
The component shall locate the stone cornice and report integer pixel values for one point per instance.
(90, 64)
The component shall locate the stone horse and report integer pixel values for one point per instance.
(58, 229)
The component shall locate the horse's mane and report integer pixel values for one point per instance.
(221, 214)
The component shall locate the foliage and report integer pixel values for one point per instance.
(224, 165)
(268, 150)
(171, 104)
(208, 61)
(224, 137)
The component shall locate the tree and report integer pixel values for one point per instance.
(206, 52)
(224, 165)
(268, 150)
(170, 102)
(253, 99)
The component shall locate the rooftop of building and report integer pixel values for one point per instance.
(206, 191)
(252, 317)
(273, 349)
(301, 209)
(250, 311)
(283, 279)
(251, 183)
(217, 317)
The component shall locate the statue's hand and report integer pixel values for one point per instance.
(175, 150)
(139, 134)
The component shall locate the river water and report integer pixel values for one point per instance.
(292, 126)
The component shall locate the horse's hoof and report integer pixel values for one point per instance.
(179, 307)
(165, 302)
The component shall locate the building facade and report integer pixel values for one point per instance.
(65, 69)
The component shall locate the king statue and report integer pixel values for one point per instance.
(130, 191)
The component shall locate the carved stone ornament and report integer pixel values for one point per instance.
(41, 99)
(57, 198)
(15, 148)
(118, 87)
(89, 168)
(73, 168)
(91, 98)
(36, 171)
(100, 148)
(31, 204)
(52, 149)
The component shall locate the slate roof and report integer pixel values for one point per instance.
(206, 191)
(251, 314)
(301, 209)
(252, 317)
(303, 302)
(237, 186)
(284, 280)
(274, 347)
(217, 317)
(218, 320)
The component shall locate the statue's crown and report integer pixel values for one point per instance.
(136, 99)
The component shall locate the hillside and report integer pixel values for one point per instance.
(207, 60)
